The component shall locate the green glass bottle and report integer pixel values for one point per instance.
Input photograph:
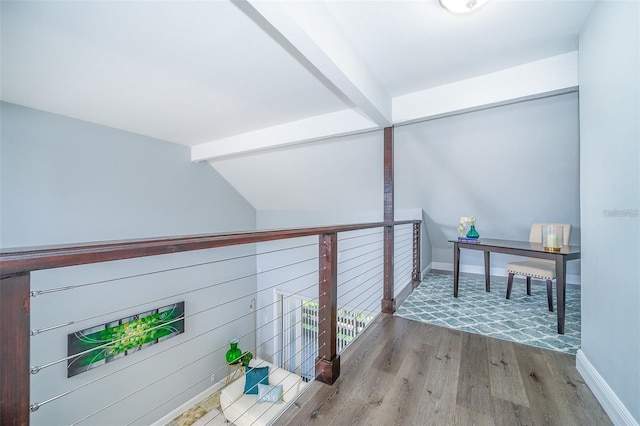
(234, 353)
(472, 232)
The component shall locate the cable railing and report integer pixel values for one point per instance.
(124, 332)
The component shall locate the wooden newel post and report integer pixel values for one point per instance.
(328, 361)
(415, 274)
(14, 349)
(388, 299)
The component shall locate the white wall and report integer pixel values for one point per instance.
(610, 180)
(67, 181)
(341, 174)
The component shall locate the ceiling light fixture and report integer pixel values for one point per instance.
(462, 7)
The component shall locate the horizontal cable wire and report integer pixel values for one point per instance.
(366, 325)
(404, 245)
(36, 369)
(377, 249)
(402, 236)
(375, 301)
(37, 405)
(402, 264)
(370, 243)
(341, 237)
(404, 261)
(404, 253)
(375, 296)
(36, 293)
(403, 249)
(359, 265)
(363, 282)
(374, 292)
(405, 227)
(402, 240)
(35, 332)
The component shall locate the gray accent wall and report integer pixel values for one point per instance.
(508, 166)
(68, 181)
(610, 201)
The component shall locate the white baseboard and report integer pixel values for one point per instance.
(614, 408)
(496, 272)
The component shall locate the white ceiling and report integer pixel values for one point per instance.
(416, 45)
(210, 73)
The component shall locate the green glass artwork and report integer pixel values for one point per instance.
(94, 346)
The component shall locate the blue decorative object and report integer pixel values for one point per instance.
(254, 376)
(473, 233)
(468, 240)
(267, 393)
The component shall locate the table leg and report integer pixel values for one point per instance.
(456, 268)
(487, 267)
(561, 278)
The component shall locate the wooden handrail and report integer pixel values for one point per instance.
(16, 264)
(20, 260)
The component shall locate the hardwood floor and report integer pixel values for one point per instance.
(402, 372)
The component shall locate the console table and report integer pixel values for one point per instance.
(519, 248)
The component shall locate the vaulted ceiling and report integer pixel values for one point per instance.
(231, 77)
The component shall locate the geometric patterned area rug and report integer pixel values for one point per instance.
(522, 319)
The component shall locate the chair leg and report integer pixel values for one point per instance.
(550, 295)
(509, 285)
(528, 286)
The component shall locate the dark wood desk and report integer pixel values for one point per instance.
(519, 248)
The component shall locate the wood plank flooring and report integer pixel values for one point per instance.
(402, 372)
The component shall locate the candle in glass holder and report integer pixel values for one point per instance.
(552, 237)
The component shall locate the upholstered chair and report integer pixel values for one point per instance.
(537, 268)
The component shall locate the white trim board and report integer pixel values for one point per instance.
(497, 271)
(612, 405)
